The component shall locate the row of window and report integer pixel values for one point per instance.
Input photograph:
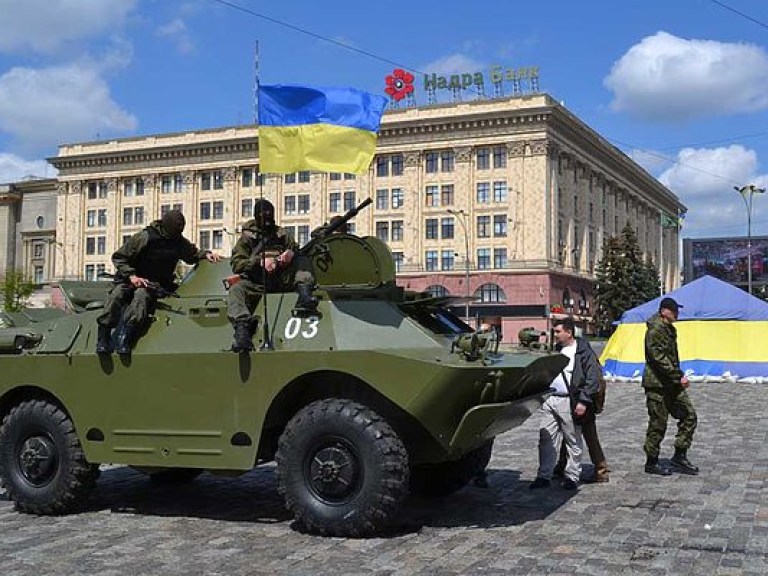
(446, 227)
(445, 259)
(489, 292)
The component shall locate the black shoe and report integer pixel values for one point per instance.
(657, 469)
(243, 337)
(569, 484)
(539, 483)
(124, 340)
(104, 340)
(681, 464)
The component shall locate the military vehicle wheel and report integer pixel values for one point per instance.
(445, 478)
(175, 475)
(42, 465)
(342, 469)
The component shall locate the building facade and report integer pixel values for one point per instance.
(28, 228)
(506, 201)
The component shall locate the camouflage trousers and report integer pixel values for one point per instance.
(244, 296)
(135, 304)
(661, 405)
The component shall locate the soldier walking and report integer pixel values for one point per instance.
(665, 392)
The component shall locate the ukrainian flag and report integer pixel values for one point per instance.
(323, 129)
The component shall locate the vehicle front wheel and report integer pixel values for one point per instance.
(434, 480)
(342, 469)
(42, 465)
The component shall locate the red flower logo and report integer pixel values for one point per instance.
(399, 84)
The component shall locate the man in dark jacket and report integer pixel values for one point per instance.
(585, 380)
(665, 392)
(144, 265)
(265, 254)
(569, 405)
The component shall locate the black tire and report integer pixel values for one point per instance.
(42, 465)
(175, 475)
(435, 480)
(342, 469)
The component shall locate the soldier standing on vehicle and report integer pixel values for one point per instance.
(665, 391)
(144, 264)
(265, 253)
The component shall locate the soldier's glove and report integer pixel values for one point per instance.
(285, 258)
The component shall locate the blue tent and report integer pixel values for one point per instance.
(721, 330)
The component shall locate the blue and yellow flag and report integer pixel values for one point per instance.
(324, 129)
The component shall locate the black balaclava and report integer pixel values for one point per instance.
(264, 213)
(173, 223)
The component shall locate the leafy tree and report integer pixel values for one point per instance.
(624, 279)
(15, 290)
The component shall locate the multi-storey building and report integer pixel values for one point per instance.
(28, 229)
(506, 201)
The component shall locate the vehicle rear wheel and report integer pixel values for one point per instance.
(434, 480)
(342, 469)
(42, 464)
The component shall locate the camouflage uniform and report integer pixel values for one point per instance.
(663, 391)
(247, 261)
(152, 254)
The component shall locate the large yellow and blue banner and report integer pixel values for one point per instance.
(323, 129)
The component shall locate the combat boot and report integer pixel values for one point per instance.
(681, 463)
(652, 466)
(104, 340)
(124, 339)
(243, 336)
(306, 304)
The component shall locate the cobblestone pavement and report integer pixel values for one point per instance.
(716, 523)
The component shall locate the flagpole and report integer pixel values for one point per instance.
(266, 343)
(662, 267)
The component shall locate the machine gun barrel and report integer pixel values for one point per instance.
(331, 228)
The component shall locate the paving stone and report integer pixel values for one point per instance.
(714, 523)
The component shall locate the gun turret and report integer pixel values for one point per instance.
(335, 224)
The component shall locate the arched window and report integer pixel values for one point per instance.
(490, 293)
(437, 290)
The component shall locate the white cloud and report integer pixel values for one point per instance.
(704, 180)
(46, 25)
(667, 78)
(177, 32)
(453, 64)
(14, 168)
(40, 108)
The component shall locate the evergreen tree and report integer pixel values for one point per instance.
(624, 279)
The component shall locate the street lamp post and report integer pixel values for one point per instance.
(750, 190)
(462, 216)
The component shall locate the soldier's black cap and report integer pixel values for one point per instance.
(670, 304)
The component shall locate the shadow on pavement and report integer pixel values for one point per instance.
(253, 497)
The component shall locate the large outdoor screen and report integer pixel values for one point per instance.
(726, 258)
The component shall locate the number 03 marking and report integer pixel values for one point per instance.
(293, 328)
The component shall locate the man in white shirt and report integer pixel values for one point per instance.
(556, 422)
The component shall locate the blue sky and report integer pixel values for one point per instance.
(679, 86)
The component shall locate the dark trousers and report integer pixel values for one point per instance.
(135, 304)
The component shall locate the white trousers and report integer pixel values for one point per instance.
(556, 426)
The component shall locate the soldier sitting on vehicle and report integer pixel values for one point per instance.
(265, 254)
(145, 267)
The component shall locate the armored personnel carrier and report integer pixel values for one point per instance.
(381, 393)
